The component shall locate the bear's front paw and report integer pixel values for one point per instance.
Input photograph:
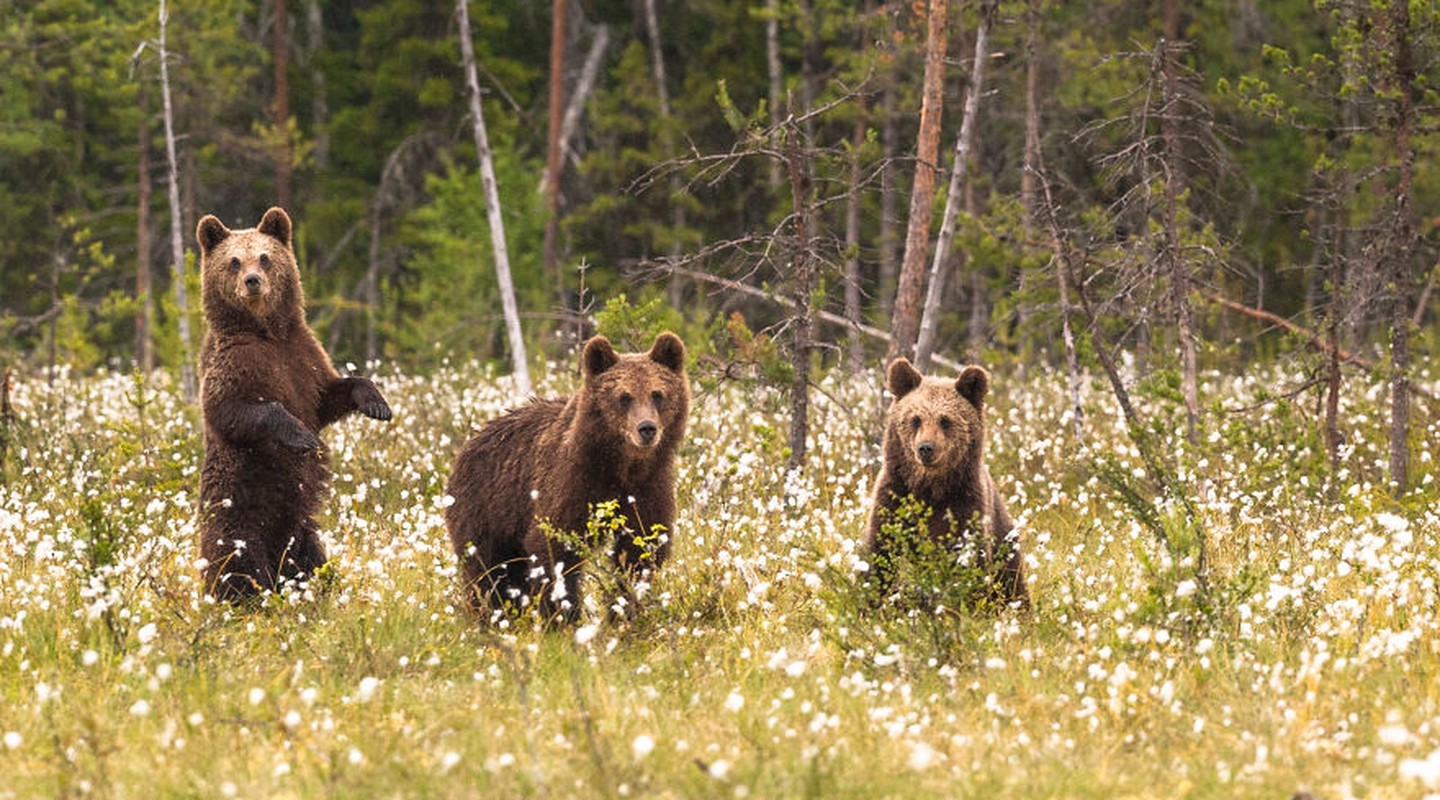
(300, 440)
(376, 409)
(369, 402)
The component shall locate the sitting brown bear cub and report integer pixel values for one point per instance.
(267, 389)
(526, 485)
(934, 452)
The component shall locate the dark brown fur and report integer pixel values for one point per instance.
(267, 389)
(934, 451)
(550, 462)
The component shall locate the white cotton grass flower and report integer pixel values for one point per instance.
(734, 701)
(643, 745)
(366, 691)
(257, 696)
(13, 740)
(140, 708)
(586, 633)
(922, 757)
(1425, 770)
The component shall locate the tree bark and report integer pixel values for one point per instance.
(905, 320)
(584, 85)
(852, 242)
(662, 96)
(279, 56)
(1176, 266)
(1398, 262)
(145, 315)
(1031, 158)
(889, 192)
(1062, 276)
(560, 12)
(492, 206)
(925, 344)
(773, 71)
(177, 243)
(319, 109)
(803, 284)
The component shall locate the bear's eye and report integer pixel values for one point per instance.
(234, 264)
(626, 400)
(915, 423)
(656, 398)
(946, 423)
(264, 261)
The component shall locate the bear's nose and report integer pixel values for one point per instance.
(926, 451)
(252, 283)
(647, 431)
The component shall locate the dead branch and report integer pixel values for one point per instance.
(826, 316)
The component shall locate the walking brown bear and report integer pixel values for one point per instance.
(525, 486)
(267, 389)
(934, 452)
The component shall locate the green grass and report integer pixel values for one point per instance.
(1304, 657)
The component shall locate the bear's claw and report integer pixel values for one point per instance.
(377, 409)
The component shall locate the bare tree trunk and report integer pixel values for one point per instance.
(1181, 280)
(852, 243)
(583, 87)
(773, 70)
(1399, 279)
(319, 110)
(177, 244)
(856, 349)
(905, 320)
(560, 12)
(492, 205)
(662, 95)
(145, 315)
(803, 265)
(1062, 276)
(1032, 114)
(925, 345)
(889, 192)
(279, 55)
(372, 274)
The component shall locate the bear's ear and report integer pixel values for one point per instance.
(973, 384)
(669, 352)
(276, 223)
(598, 357)
(901, 378)
(210, 232)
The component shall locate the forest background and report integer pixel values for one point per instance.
(1179, 183)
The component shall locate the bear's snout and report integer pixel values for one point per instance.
(252, 283)
(926, 451)
(647, 432)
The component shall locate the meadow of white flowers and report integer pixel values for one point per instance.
(1267, 626)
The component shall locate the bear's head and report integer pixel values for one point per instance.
(640, 399)
(935, 425)
(248, 277)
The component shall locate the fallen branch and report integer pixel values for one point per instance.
(1310, 336)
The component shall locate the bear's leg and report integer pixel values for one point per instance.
(303, 553)
(1011, 575)
(344, 395)
(494, 578)
(553, 579)
(238, 566)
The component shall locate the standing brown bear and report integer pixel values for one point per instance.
(525, 486)
(934, 452)
(267, 388)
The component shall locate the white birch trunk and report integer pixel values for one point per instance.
(925, 342)
(492, 205)
(177, 243)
